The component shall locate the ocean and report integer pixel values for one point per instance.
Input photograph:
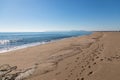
(16, 40)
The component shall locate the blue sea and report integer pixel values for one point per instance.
(17, 40)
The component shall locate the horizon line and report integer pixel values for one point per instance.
(59, 31)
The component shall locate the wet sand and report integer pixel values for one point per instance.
(91, 57)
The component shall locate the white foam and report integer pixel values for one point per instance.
(21, 47)
(4, 41)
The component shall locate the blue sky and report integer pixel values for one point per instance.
(59, 15)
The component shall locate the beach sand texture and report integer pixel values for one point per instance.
(90, 57)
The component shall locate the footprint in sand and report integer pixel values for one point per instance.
(77, 58)
(101, 59)
(66, 68)
(89, 66)
(78, 79)
(97, 57)
(94, 63)
(90, 73)
(82, 78)
(58, 73)
(76, 61)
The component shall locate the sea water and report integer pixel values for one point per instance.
(16, 40)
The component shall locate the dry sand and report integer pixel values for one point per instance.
(92, 57)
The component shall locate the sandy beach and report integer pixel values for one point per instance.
(90, 57)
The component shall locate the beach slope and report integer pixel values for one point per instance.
(90, 57)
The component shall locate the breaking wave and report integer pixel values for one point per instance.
(3, 42)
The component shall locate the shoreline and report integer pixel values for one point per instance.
(2, 51)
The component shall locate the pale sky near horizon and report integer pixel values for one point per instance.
(59, 15)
